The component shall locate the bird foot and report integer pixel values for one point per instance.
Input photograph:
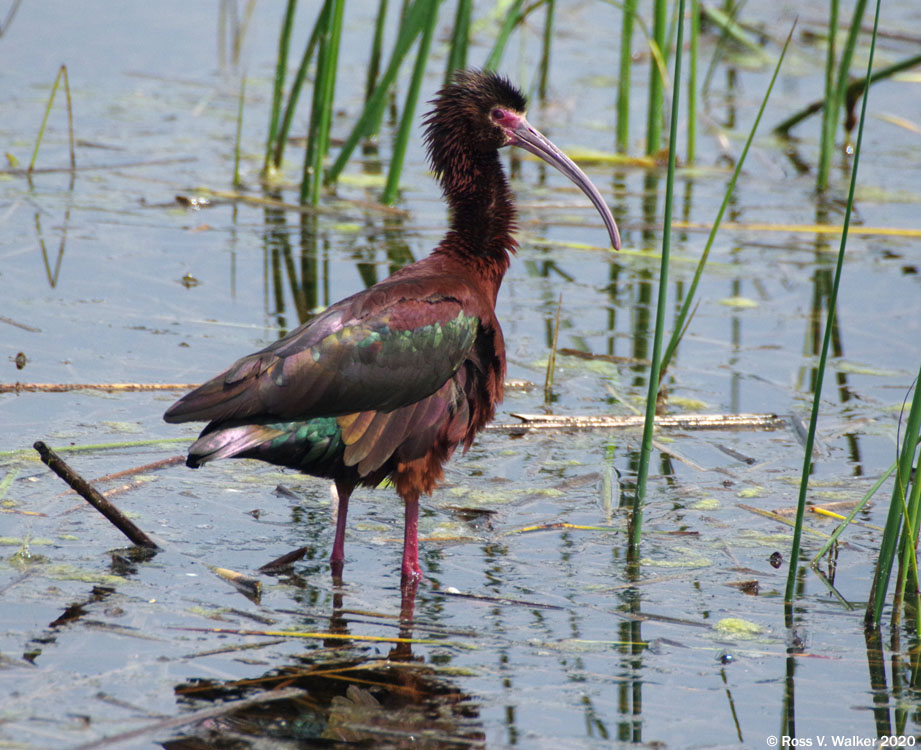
(408, 588)
(336, 567)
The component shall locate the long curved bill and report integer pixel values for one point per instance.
(528, 138)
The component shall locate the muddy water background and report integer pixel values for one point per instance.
(559, 649)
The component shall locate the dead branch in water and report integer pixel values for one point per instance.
(93, 496)
(678, 421)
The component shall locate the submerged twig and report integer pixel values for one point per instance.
(65, 387)
(24, 326)
(681, 421)
(93, 496)
(516, 385)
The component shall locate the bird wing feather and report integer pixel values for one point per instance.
(378, 350)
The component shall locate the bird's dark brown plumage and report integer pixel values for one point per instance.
(389, 381)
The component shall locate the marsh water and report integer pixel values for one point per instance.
(530, 630)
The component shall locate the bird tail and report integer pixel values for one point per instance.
(228, 441)
(314, 445)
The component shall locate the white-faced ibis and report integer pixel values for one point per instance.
(388, 382)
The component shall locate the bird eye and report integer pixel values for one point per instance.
(497, 114)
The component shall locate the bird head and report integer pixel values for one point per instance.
(481, 112)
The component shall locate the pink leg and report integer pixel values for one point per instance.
(337, 558)
(411, 572)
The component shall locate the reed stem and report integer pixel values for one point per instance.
(512, 19)
(327, 66)
(409, 108)
(374, 63)
(544, 70)
(826, 343)
(684, 314)
(281, 138)
(827, 140)
(692, 80)
(239, 134)
(623, 82)
(656, 80)
(636, 526)
(413, 20)
(460, 39)
(62, 74)
(281, 66)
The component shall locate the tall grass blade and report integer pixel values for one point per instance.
(726, 21)
(897, 505)
(827, 141)
(656, 81)
(324, 88)
(512, 19)
(826, 343)
(409, 109)
(908, 564)
(636, 526)
(854, 511)
(684, 312)
(623, 82)
(281, 138)
(377, 46)
(10, 15)
(239, 134)
(839, 93)
(278, 88)
(544, 69)
(62, 74)
(413, 21)
(847, 58)
(693, 49)
(460, 40)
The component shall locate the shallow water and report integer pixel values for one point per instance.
(540, 639)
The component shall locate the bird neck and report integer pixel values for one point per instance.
(483, 216)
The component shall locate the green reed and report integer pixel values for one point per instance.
(636, 524)
(321, 114)
(547, 39)
(62, 75)
(413, 22)
(623, 82)
(377, 49)
(836, 83)
(512, 18)
(281, 67)
(460, 39)
(682, 320)
(901, 521)
(793, 562)
(828, 124)
(238, 134)
(693, 48)
(409, 108)
(656, 101)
